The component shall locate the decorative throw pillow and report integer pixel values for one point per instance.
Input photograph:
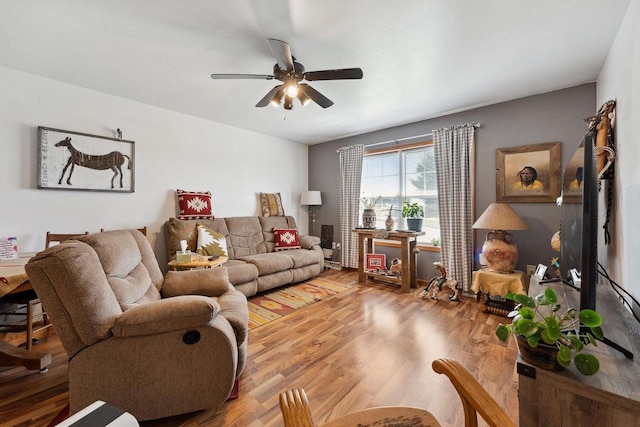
(271, 204)
(194, 205)
(286, 238)
(210, 242)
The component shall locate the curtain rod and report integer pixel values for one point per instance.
(395, 141)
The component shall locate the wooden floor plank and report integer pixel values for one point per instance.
(370, 345)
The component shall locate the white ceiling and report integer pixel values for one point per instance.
(420, 58)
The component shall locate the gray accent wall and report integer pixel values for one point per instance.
(549, 117)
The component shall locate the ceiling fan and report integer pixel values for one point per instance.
(291, 73)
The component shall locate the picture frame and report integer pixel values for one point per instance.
(528, 173)
(376, 262)
(572, 178)
(69, 160)
(540, 271)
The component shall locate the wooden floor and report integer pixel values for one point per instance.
(367, 346)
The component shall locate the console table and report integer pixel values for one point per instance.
(408, 255)
(610, 398)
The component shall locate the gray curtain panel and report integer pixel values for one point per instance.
(453, 148)
(350, 175)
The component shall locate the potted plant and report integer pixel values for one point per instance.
(550, 338)
(413, 213)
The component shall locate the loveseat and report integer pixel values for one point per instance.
(254, 265)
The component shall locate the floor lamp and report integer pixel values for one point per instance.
(312, 199)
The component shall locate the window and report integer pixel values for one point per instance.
(405, 174)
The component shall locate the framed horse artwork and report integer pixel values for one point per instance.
(70, 160)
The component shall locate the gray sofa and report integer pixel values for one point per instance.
(254, 266)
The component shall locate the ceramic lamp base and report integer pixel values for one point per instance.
(500, 251)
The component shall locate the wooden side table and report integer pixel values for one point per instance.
(202, 262)
(408, 255)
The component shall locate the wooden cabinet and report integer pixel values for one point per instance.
(610, 398)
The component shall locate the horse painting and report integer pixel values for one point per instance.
(113, 161)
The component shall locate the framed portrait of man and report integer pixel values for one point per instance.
(528, 173)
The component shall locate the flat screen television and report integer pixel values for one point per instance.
(579, 222)
(579, 227)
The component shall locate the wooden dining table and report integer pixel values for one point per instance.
(14, 280)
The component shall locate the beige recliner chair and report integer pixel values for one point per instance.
(153, 346)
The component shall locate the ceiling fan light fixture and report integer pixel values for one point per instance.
(291, 89)
(288, 102)
(303, 98)
(275, 101)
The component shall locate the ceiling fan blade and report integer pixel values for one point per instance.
(269, 96)
(341, 74)
(241, 76)
(315, 96)
(282, 53)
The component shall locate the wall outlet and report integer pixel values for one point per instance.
(531, 269)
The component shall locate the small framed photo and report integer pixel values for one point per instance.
(376, 262)
(540, 271)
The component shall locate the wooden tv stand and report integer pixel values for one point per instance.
(611, 397)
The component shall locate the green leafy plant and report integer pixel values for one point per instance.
(541, 320)
(412, 210)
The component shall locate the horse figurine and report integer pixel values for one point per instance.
(439, 282)
(113, 161)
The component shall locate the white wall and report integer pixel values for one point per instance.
(619, 80)
(172, 151)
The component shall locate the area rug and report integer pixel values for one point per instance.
(267, 307)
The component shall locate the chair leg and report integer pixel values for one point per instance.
(29, 343)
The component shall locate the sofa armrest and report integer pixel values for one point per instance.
(307, 242)
(234, 308)
(166, 315)
(211, 282)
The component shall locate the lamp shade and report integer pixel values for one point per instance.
(311, 198)
(500, 216)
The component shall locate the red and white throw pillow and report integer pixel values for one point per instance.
(194, 205)
(286, 238)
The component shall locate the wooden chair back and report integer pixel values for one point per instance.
(59, 238)
(476, 400)
(143, 230)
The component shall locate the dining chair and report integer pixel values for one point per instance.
(59, 238)
(143, 230)
(476, 400)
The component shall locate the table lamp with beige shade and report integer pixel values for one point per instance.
(499, 248)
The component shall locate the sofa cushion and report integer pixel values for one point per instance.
(211, 242)
(269, 263)
(245, 236)
(271, 222)
(127, 275)
(186, 229)
(303, 257)
(194, 204)
(286, 238)
(211, 282)
(271, 204)
(240, 271)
